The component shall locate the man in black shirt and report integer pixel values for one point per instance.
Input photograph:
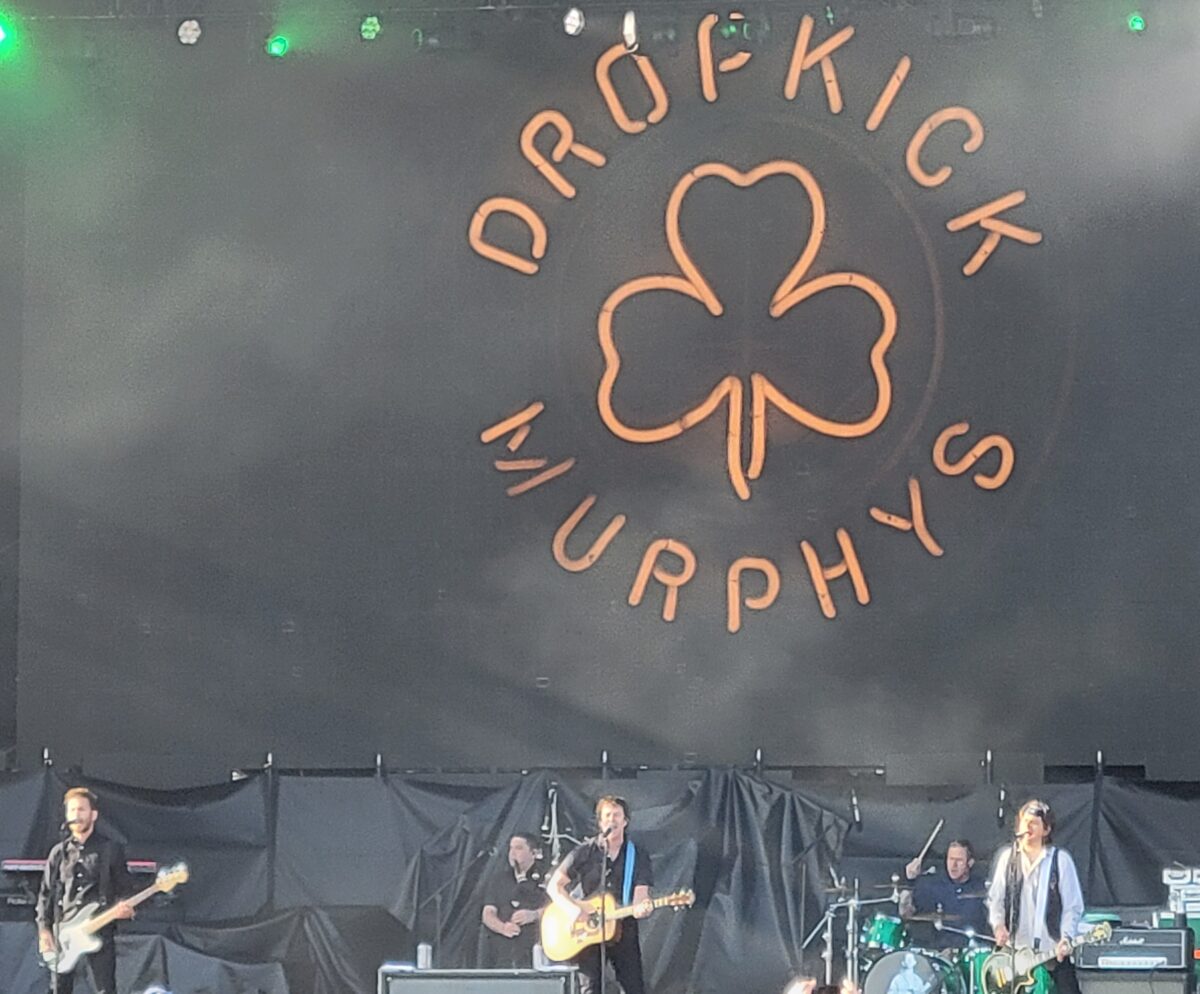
(953, 891)
(629, 878)
(514, 905)
(82, 869)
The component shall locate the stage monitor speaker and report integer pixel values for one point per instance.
(1135, 981)
(409, 981)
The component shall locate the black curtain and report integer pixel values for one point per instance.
(306, 884)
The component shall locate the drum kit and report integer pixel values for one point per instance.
(882, 953)
(881, 956)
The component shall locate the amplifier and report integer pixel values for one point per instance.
(1136, 982)
(1139, 950)
(401, 978)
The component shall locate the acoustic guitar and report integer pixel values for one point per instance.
(564, 935)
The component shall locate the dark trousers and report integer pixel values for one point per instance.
(1065, 981)
(625, 955)
(101, 968)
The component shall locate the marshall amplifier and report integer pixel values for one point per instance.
(1138, 961)
(1146, 949)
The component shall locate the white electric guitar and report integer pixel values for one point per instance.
(77, 934)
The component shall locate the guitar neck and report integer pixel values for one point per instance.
(629, 909)
(110, 915)
(1053, 954)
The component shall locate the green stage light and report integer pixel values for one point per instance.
(370, 28)
(277, 47)
(1136, 22)
(8, 37)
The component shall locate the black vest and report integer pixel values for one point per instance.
(1012, 894)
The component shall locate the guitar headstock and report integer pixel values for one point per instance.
(170, 877)
(680, 899)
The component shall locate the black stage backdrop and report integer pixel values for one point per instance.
(355, 862)
(259, 505)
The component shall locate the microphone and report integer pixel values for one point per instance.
(1019, 836)
(854, 809)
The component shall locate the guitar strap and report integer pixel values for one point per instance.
(630, 859)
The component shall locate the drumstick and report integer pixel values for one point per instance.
(933, 835)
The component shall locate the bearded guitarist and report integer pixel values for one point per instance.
(611, 856)
(1034, 898)
(82, 869)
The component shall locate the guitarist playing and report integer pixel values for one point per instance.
(630, 877)
(83, 868)
(1034, 898)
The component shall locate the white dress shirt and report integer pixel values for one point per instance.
(1031, 931)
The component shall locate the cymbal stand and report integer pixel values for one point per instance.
(853, 904)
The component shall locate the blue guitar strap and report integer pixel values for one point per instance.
(630, 859)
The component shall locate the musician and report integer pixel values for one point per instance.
(515, 904)
(949, 890)
(82, 869)
(1034, 899)
(629, 879)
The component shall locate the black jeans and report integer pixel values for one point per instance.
(1065, 981)
(625, 955)
(102, 969)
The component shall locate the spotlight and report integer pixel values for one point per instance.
(574, 22)
(277, 47)
(370, 28)
(1136, 22)
(189, 31)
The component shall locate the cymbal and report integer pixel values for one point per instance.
(934, 917)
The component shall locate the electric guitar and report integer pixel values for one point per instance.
(1011, 972)
(77, 934)
(564, 935)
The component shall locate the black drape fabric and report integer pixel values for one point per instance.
(143, 961)
(357, 860)
(1142, 828)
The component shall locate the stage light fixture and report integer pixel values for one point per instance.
(277, 46)
(1136, 22)
(574, 22)
(370, 28)
(189, 31)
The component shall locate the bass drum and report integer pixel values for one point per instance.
(913, 971)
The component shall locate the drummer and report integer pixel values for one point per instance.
(951, 890)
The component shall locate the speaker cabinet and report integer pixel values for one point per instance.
(406, 980)
(1136, 981)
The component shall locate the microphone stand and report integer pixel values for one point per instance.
(436, 898)
(59, 895)
(1014, 874)
(602, 845)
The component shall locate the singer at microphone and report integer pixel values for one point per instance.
(1035, 900)
(622, 868)
(516, 897)
(949, 890)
